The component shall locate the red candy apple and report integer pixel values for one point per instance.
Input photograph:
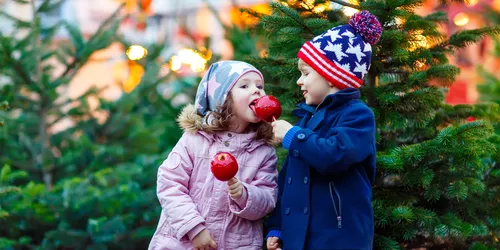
(224, 166)
(267, 108)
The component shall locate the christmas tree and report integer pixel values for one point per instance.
(490, 88)
(91, 185)
(490, 92)
(431, 189)
(4, 107)
(6, 177)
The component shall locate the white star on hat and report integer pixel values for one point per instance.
(333, 34)
(361, 68)
(317, 37)
(368, 48)
(348, 34)
(345, 66)
(356, 50)
(318, 46)
(237, 68)
(337, 49)
(351, 36)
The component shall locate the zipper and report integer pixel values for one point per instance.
(338, 211)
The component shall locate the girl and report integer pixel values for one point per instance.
(198, 211)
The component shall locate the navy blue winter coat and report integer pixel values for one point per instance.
(325, 185)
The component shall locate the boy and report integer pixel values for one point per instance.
(324, 199)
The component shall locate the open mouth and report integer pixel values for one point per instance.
(252, 105)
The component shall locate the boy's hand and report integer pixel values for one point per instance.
(280, 127)
(235, 188)
(204, 241)
(273, 243)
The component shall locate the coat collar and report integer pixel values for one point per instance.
(331, 101)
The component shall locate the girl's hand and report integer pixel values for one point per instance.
(273, 243)
(204, 241)
(280, 127)
(235, 188)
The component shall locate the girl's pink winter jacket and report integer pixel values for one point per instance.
(192, 199)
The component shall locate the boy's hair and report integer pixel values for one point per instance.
(219, 121)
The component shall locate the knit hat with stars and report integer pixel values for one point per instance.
(218, 82)
(342, 54)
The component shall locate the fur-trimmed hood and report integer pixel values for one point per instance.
(191, 122)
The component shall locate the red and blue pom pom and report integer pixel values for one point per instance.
(367, 26)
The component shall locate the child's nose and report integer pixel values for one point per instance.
(299, 81)
(256, 91)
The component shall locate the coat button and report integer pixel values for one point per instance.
(226, 144)
(289, 180)
(229, 134)
(295, 153)
(306, 180)
(306, 210)
(301, 136)
(287, 211)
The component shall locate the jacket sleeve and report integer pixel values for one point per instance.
(261, 192)
(274, 220)
(349, 142)
(172, 189)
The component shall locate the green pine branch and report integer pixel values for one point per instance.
(465, 38)
(292, 14)
(7, 51)
(3, 107)
(39, 80)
